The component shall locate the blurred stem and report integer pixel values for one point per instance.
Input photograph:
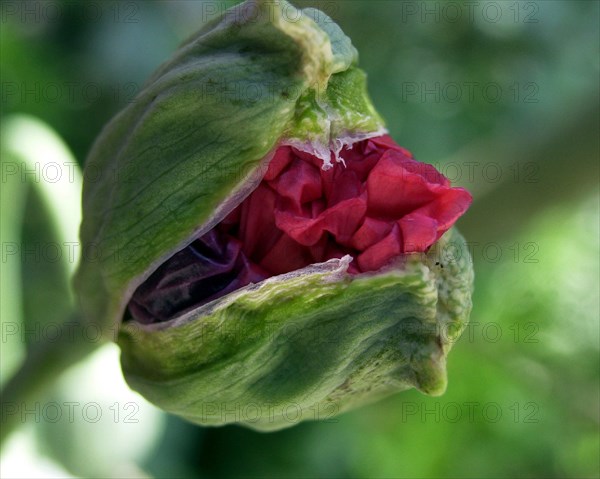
(29, 147)
(45, 360)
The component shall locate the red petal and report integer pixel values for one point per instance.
(419, 232)
(393, 191)
(450, 205)
(385, 142)
(301, 182)
(283, 157)
(382, 252)
(342, 220)
(286, 255)
(369, 233)
(257, 226)
(346, 185)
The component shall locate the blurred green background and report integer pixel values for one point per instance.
(502, 97)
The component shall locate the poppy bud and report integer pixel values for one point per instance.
(267, 253)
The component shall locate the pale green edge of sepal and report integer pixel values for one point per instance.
(313, 340)
(327, 122)
(338, 112)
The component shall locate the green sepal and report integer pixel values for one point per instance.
(195, 141)
(276, 353)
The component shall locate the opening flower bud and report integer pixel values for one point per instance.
(274, 250)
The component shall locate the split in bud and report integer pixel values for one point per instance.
(375, 205)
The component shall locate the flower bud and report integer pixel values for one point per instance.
(267, 252)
